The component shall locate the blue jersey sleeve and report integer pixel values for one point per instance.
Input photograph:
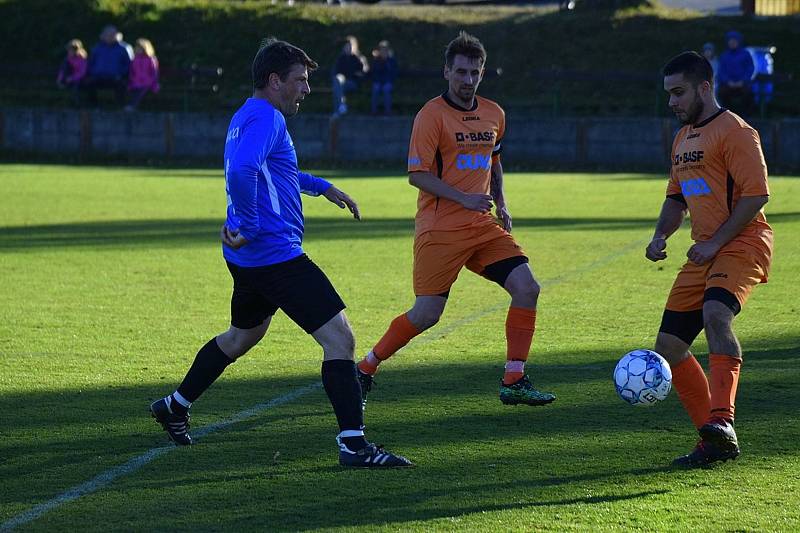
(312, 185)
(242, 170)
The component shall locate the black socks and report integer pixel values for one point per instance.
(208, 365)
(344, 392)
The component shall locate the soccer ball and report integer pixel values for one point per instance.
(642, 377)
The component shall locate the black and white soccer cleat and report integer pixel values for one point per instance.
(371, 457)
(176, 426)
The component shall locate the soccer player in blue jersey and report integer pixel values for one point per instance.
(262, 245)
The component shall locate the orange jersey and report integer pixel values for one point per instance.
(714, 164)
(456, 145)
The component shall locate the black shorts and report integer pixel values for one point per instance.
(298, 287)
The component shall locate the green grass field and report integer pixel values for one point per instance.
(112, 278)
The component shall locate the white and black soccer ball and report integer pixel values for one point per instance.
(642, 377)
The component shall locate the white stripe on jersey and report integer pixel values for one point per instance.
(273, 194)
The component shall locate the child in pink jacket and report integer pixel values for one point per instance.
(73, 68)
(143, 73)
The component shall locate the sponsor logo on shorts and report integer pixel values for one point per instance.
(718, 275)
(695, 187)
(473, 161)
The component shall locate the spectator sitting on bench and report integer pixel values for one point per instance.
(143, 73)
(348, 71)
(384, 72)
(735, 75)
(73, 69)
(109, 61)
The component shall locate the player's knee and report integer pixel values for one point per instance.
(426, 319)
(527, 291)
(673, 349)
(717, 329)
(533, 289)
(717, 319)
(237, 343)
(347, 341)
(341, 347)
(337, 339)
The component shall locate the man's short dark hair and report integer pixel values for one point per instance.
(694, 67)
(278, 57)
(465, 45)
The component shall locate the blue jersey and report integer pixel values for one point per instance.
(263, 185)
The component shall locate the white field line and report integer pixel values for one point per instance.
(107, 477)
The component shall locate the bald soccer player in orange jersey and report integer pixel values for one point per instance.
(454, 160)
(719, 176)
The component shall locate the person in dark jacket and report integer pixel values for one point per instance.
(735, 75)
(109, 62)
(384, 73)
(350, 68)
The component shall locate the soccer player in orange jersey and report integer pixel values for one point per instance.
(454, 161)
(719, 176)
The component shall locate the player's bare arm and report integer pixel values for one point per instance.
(745, 211)
(342, 199)
(670, 219)
(496, 190)
(433, 185)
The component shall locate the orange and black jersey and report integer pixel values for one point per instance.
(457, 145)
(714, 164)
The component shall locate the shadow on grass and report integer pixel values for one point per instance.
(476, 462)
(136, 233)
(189, 232)
(434, 384)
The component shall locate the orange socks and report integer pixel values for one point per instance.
(692, 387)
(400, 332)
(520, 325)
(724, 382)
(704, 399)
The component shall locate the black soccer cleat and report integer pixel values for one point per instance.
(523, 392)
(720, 433)
(366, 381)
(370, 457)
(704, 455)
(176, 426)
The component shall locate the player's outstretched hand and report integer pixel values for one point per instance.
(341, 199)
(477, 202)
(505, 217)
(656, 250)
(702, 252)
(231, 238)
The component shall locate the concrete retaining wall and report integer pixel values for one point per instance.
(610, 143)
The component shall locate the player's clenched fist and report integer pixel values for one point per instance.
(656, 250)
(477, 202)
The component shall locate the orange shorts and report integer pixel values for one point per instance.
(737, 268)
(440, 255)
